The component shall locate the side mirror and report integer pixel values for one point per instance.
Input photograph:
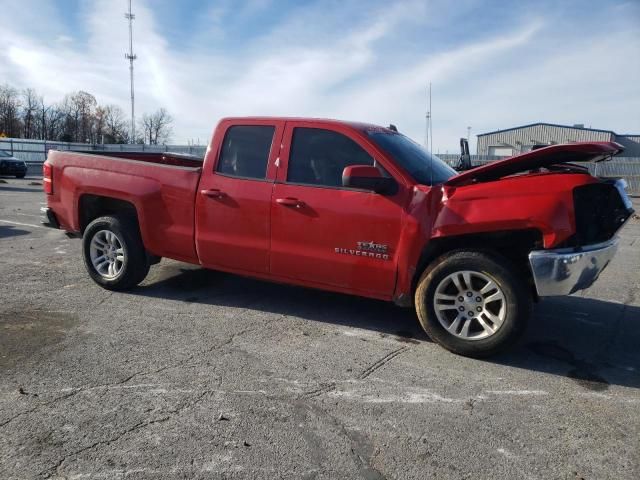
(367, 177)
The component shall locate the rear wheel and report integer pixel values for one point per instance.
(113, 252)
(472, 303)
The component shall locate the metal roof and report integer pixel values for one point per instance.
(555, 125)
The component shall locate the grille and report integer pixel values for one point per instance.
(600, 212)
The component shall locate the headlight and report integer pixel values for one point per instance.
(621, 184)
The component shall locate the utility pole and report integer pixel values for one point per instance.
(430, 123)
(428, 135)
(131, 57)
(427, 119)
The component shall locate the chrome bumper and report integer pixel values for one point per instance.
(567, 270)
(48, 218)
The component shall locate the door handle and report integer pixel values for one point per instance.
(213, 193)
(290, 202)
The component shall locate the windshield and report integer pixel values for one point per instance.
(4, 154)
(424, 167)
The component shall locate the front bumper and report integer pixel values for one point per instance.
(566, 270)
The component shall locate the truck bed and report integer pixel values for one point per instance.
(160, 186)
(164, 158)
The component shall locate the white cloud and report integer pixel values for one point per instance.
(311, 64)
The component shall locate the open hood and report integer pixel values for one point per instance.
(540, 158)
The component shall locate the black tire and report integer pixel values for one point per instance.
(517, 302)
(134, 267)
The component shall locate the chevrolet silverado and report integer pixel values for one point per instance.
(352, 208)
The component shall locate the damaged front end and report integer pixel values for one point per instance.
(601, 209)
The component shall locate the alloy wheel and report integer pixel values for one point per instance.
(470, 305)
(107, 254)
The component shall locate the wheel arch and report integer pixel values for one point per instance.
(92, 206)
(514, 245)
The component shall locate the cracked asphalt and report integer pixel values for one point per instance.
(200, 374)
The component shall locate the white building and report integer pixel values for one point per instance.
(512, 141)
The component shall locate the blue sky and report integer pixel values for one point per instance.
(493, 64)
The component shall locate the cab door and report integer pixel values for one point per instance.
(233, 202)
(323, 233)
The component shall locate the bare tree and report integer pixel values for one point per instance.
(29, 112)
(70, 120)
(43, 117)
(116, 129)
(85, 105)
(48, 121)
(9, 111)
(53, 122)
(78, 118)
(98, 125)
(79, 110)
(157, 127)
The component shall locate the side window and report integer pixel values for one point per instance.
(245, 151)
(319, 156)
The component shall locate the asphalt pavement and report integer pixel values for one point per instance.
(201, 374)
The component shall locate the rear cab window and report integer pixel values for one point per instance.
(245, 151)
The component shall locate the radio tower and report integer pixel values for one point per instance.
(131, 57)
(428, 135)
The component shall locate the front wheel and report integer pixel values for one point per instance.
(113, 252)
(472, 303)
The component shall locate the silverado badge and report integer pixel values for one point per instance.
(367, 249)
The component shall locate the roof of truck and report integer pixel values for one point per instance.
(326, 121)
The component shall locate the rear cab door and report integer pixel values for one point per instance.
(233, 201)
(327, 235)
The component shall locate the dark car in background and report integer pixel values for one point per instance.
(10, 165)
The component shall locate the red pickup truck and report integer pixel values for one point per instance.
(353, 208)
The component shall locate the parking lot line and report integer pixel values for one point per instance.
(11, 222)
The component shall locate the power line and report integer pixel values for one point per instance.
(131, 57)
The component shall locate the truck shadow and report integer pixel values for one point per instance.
(11, 231)
(593, 342)
(195, 285)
